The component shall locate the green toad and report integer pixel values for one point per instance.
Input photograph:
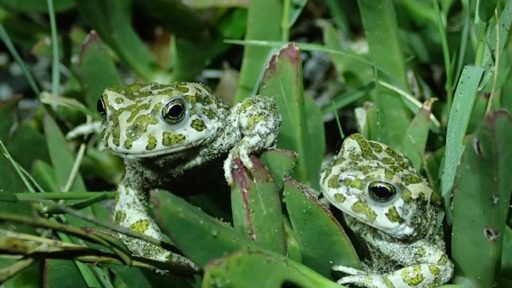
(393, 210)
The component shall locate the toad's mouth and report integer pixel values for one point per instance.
(139, 149)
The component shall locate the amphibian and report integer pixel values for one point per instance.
(393, 210)
(163, 130)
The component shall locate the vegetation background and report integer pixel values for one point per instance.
(428, 77)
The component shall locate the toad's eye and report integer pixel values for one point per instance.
(174, 111)
(100, 107)
(381, 191)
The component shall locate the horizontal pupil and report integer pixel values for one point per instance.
(381, 191)
(175, 111)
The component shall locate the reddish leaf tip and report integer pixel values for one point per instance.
(91, 39)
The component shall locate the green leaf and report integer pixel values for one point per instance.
(323, 243)
(481, 202)
(494, 38)
(95, 57)
(27, 138)
(111, 20)
(29, 277)
(415, 138)
(142, 278)
(36, 5)
(7, 109)
(257, 208)
(263, 23)
(459, 118)
(301, 127)
(190, 228)
(280, 163)
(61, 157)
(44, 174)
(381, 29)
(486, 9)
(62, 273)
(257, 269)
(191, 55)
(379, 21)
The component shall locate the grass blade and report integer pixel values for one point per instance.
(459, 119)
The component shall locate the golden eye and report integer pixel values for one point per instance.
(381, 191)
(100, 107)
(174, 111)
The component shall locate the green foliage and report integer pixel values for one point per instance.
(430, 78)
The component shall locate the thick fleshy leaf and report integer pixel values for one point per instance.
(143, 278)
(415, 138)
(111, 20)
(61, 157)
(256, 207)
(481, 202)
(381, 30)
(300, 131)
(200, 237)
(62, 273)
(95, 57)
(263, 24)
(323, 243)
(257, 269)
(280, 163)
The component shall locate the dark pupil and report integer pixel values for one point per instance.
(100, 107)
(175, 111)
(381, 191)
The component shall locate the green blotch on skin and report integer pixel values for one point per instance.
(116, 135)
(353, 183)
(420, 252)
(365, 169)
(333, 182)
(171, 139)
(119, 217)
(392, 153)
(198, 125)
(396, 169)
(412, 276)
(377, 148)
(191, 99)
(254, 120)
(249, 102)
(135, 110)
(387, 160)
(209, 113)
(393, 215)
(443, 260)
(152, 141)
(365, 146)
(362, 208)
(128, 143)
(140, 226)
(434, 270)
(182, 87)
(407, 195)
(411, 179)
(138, 128)
(388, 174)
(339, 197)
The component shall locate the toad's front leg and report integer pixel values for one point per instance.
(426, 266)
(130, 211)
(255, 122)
